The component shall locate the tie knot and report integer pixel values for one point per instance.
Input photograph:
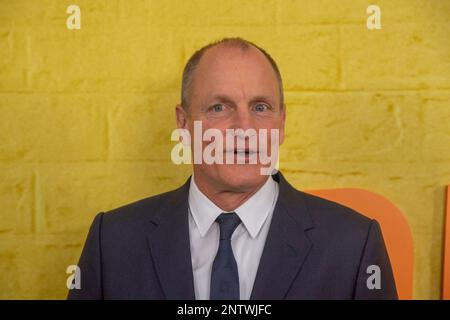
(228, 222)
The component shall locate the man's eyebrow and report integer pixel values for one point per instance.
(262, 98)
(222, 98)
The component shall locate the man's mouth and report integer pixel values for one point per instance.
(242, 152)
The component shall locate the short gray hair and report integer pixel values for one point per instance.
(230, 42)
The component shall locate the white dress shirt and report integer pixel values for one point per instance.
(247, 240)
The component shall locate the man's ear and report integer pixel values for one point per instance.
(182, 116)
(283, 121)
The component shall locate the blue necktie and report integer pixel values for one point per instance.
(224, 275)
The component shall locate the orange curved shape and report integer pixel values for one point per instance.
(446, 266)
(395, 228)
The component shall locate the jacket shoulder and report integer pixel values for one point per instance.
(331, 219)
(142, 210)
(324, 210)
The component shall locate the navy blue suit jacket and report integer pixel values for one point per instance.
(315, 249)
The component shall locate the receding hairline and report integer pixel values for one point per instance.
(238, 43)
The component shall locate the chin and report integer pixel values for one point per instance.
(242, 176)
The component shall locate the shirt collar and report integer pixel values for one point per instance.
(253, 212)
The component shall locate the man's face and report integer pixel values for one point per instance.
(233, 88)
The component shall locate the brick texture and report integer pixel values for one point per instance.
(86, 115)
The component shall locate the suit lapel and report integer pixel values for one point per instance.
(170, 246)
(286, 247)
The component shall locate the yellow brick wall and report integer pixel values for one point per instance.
(86, 115)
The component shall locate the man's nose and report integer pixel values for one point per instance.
(243, 118)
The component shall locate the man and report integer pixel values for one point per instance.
(231, 232)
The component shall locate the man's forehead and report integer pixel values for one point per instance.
(224, 54)
(231, 66)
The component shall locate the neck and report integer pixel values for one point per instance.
(225, 198)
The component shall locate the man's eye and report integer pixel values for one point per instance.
(260, 107)
(218, 107)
